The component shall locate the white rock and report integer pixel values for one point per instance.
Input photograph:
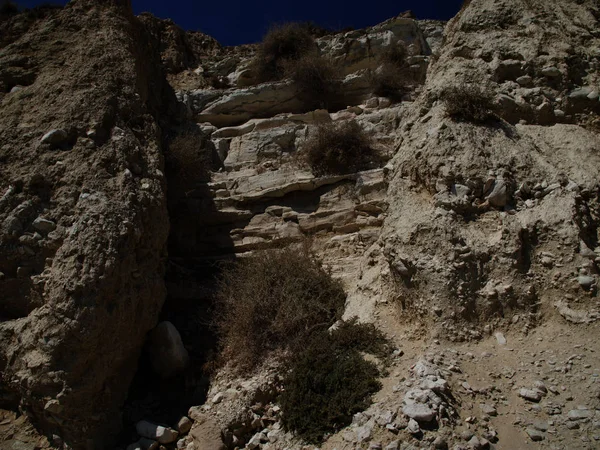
(532, 395)
(500, 338)
(419, 411)
(158, 433)
(413, 427)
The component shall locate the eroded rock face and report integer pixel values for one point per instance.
(491, 216)
(84, 220)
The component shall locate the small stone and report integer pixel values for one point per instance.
(386, 418)
(540, 386)
(364, 433)
(53, 406)
(254, 441)
(218, 398)
(413, 427)
(440, 443)
(55, 137)
(573, 425)
(580, 414)
(394, 445)
(183, 425)
(478, 444)
(500, 338)
(43, 225)
(525, 80)
(585, 281)
(535, 435)
(489, 410)
(499, 195)
(375, 446)
(156, 432)
(533, 395)
(419, 412)
(551, 72)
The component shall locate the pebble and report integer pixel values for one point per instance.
(533, 395)
(580, 414)
(535, 435)
(183, 425)
(394, 445)
(551, 72)
(500, 338)
(413, 427)
(585, 281)
(55, 137)
(489, 410)
(43, 225)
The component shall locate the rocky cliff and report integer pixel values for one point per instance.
(468, 242)
(83, 213)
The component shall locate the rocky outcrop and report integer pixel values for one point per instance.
(491, 218)
(83, 214)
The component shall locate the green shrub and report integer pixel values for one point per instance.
(316, 80)
(340, 148)
(282, 44)
(328, 381)
(468, 102)
(271, 301)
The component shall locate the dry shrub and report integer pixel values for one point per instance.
(8, 8)
(188, 161)
(328, 380)
(340, 148)
(284, 43)
(394, 54)
(391, 82)
(273, 300)
(468, 102)
(393, 78)
(316, 80)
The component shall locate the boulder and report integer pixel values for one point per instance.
(166, 350)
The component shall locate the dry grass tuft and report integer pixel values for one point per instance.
(340, 148)
(272, 301)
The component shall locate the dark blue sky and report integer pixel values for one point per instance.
(234, 22)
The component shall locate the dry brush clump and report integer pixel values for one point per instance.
(282, 44)
(468, 102)
(187, 161)
(272, 300)
(340, 148)
(316, 80)
(283, 303)
(393, 78)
